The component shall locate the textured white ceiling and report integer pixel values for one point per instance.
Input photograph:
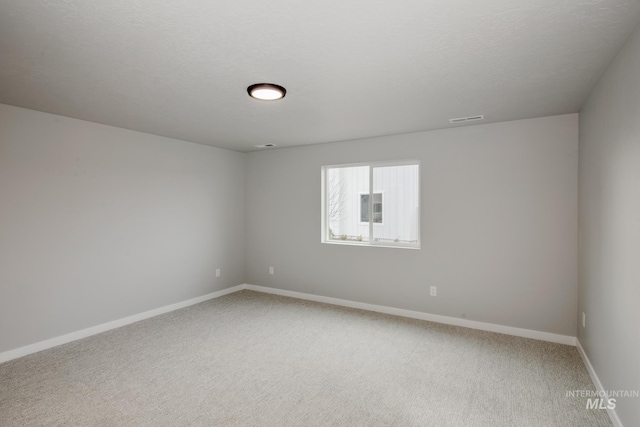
(352, 68)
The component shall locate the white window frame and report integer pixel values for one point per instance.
(324, 228)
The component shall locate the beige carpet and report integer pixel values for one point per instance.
(251, 359)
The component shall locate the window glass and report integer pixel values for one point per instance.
(372, 204)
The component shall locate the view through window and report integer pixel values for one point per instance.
(375, 204)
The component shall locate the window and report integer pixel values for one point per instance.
(371, 204)
(377, 208)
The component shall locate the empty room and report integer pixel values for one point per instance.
(337, 213)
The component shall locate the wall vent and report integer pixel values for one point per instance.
(265, 146)
(466, 119)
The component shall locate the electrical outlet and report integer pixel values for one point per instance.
(433, 291)
(217, 272)
(271, 270)
(584, 320)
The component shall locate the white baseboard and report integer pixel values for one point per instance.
(508, 330)
(73, 336)
(63, 339)
(596, 381)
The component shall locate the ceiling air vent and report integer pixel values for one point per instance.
(265, 146)
(466, 119)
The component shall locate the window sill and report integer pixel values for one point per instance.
(369, 245)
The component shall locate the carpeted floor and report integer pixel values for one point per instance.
(252, 359)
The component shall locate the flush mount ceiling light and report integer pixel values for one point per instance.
(266, 91)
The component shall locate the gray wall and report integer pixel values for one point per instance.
(498, 224)
(99, 223)
(609, 290)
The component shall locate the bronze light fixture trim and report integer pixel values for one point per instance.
(266, 91)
